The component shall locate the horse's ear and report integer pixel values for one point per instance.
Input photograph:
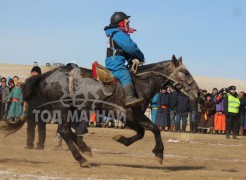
(180, 60)
(175, 61)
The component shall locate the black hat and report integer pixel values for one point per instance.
(36, 69)
(208, 95)
(117, 17)
(215, 89)
(164, 88)
(3, 78)
(232, 88)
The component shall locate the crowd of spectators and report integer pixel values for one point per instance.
(219, 112)
(11, 100)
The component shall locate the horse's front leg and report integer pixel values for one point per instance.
(130, 140)
(145, 122)
(130, 121)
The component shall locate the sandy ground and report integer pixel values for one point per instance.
(23, 71)
(194, 156)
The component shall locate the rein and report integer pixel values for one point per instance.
(177, 84)
(153, 73)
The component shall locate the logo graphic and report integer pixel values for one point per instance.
(82, 94)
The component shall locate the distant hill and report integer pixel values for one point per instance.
(209, 83)
(23, 71)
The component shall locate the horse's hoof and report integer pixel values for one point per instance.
(85, 164)
(117, 138)
(160, 160)
(87, 153)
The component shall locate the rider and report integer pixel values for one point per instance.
(121, 48)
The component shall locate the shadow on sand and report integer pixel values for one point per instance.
(6, 160)
(167, 168)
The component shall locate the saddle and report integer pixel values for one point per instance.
(102, 74)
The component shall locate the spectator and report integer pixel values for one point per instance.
(214, 93)
(2, 79)
(11, 84)
(173, 106)
(242, 97)
(193, 116)
(207, 117)
(202, 97)
(5, 94)
(231, 108)
(0, 98)
(183, 107)
(154, 107)
(219, 117)
(163, 116)
(16, 79)
(16, 98)
(33, 121)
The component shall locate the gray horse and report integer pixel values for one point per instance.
(147, 82)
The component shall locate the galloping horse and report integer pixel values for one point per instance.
(147, 82)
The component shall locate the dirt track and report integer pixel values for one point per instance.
(200, 156)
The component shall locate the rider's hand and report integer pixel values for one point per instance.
(135, 61)
(135, 64)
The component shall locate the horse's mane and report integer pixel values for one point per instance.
(150, 66)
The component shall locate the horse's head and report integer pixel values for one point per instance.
(183, 80)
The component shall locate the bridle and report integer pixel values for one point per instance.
(184, 83)
(178, 82)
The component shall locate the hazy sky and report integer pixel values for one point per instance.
(209, 34)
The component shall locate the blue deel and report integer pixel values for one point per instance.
(116, 64)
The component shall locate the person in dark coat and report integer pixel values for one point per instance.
(242, 97)
(173, 103)
(33, 120)
(182, 112)
(208, 111)
(163, 114)
(11, 84)
(214, 93)
(193, 116)
(202, 96)
(4, 97)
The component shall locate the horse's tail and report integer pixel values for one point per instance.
(8, 127)
(31, 86)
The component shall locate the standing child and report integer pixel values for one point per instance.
(163, 116)
(219, 117)
(208, 111)
(16, 99)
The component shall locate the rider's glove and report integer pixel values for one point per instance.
(135, 64)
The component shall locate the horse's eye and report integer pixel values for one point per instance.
(186, 73)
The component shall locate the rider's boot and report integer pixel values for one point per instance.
(131, 100)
